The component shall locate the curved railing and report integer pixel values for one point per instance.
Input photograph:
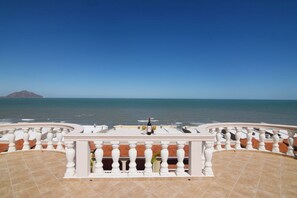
(44, 133)
(229, 136)
(202, 141)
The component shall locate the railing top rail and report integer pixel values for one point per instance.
(206, 127)
(75, 127)
(140, 137)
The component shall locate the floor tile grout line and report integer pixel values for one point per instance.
(281, 172)
(257, 187)
(237, 180)
(33, 178)
(9, 178)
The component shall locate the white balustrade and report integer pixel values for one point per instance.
(59, 139)
(11, 138)
(115, 153)
(200, 147)
(148, 154)
(180, 153)
(50, 136)
(99, 157)
(237, 138)
(228, 139)
(26, 138)
(38, 133)
(275, 138)
(218, 139)
(208, 157)
(290, 151)
(262, 140)
(249, 136)
(132, 156)
(27, 128)
(70, 155)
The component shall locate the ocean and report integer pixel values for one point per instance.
(135, 111)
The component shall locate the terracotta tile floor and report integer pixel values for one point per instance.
(237, 174)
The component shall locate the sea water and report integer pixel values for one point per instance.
(135, 111)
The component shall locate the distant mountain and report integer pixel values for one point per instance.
(23, 94)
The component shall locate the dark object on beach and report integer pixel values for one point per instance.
(232, 135)
(268, 135)
(23, 94)
(185, 130)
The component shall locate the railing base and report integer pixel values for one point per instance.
(139, 174)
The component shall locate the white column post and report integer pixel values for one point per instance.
(132, 156)
(180, 153)
(70, 154)
(82, 159)
(59, 139)
(148, 154)
(237, 137)
(208, 157)
(164, 155)
(195, 167)
(290, 151)
(249, 136)
(11, 138)
(99, 156)
(228, 139)
(115, 153)
(38, 133)
(50, 136)
(26, 138)
(262, 140)
(275, 138)
(219, 139)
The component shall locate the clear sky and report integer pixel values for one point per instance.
(239, 49)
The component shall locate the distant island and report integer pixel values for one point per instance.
(23, 94)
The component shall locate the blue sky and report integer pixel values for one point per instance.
(150, 49)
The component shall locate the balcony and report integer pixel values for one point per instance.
(245, 165)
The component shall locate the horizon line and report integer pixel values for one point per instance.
(150, 98)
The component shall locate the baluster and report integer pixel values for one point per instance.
(218, 139)
(228, 139)
(59, 139)
(148, 153)
(115, 158)
(237, 137)
(26, 138)
(50, 136)
(290, 151)
(262, 140)
(180, 153)
(249, 136)
(212, 131)
(164, 156)
(63, 132)
(38, 133)
(132, 156)
(70, 154)
(202, 154)
(208, 157)
(11, 138)
(99, 156)
(275, 138)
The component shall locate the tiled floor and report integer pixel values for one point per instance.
(237, 174)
